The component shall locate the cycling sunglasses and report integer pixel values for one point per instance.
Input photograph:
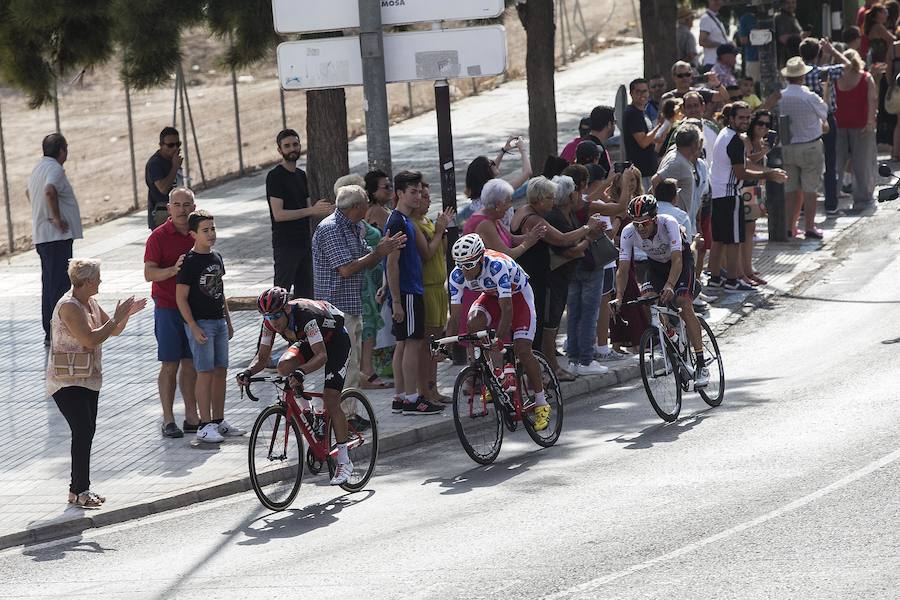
(273, 316)
(469, 264)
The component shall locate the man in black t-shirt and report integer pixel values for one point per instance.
(603, 126)
(639, 132)
(287, 193)
(162, 174)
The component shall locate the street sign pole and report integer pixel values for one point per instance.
(768, 63)
(371, 45)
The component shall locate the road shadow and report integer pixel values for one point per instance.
(485, 476)
(662, 433)
(58, 551)
(297, 521)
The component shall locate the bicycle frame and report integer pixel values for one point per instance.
(318, 447)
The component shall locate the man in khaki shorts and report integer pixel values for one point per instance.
(804, 152)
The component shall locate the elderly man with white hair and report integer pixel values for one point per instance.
(340, 255)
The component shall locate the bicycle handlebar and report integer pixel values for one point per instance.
(487, 337)
(276, 379)
(642, 300)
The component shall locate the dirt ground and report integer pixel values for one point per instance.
(93, 117)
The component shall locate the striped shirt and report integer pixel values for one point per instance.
(728, 152)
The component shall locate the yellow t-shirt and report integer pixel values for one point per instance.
(753, 100)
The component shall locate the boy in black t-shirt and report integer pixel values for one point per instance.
(201, 300)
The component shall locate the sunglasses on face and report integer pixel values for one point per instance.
(172, 144)
(273, 316)
(643, 224)
(682, 75)
(764, 123)
(469, 265)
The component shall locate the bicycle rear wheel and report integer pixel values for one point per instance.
(476, 416)
(276, 458)
(713, 393)
(364, 450)
(546, 437)
(659, 371)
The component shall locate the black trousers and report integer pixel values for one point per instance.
(54, 277)
(79, 406)
(293, 269)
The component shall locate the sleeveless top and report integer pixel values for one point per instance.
(64, 341)
(434, 270)
(853, 105)
(478, 218)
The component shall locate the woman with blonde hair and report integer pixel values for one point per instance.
(78, 328)
(857, 107)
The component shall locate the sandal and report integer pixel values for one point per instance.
(87, 499)
(374, 382)
(563, 375)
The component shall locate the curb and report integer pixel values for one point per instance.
(574, 392)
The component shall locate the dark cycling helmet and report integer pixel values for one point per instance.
(272, 300)
(642, 206)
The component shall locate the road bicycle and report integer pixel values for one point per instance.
(668, 364)
(486, 400)
(276, 454)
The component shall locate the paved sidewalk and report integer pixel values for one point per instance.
(142, 473)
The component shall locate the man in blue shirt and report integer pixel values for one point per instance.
(747, 23)
(407, 291)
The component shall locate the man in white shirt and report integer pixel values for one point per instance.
(804, 152)
(678, 166)
(713, 33)
(55, 223)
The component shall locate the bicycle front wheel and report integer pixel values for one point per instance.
(362, 445)
(713, 393)
(276, 458)
(659, 371)
(548, 436)
(476, 416)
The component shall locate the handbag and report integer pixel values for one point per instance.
(753, 202)
(71, 365)
(603, 251)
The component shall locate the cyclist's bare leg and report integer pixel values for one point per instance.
(691, 324)
(522, 348)
(478, 321)
(332, 400)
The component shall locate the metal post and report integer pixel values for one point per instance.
(375, 104)
(409, 98)
(768, 65)
(56, 105)
(9, 223)
(237, 120)
(559, 12)
(283, 111)
(190, 114)
(134, 190)
(448, 178)
(179, 96)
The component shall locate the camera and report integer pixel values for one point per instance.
(772, 138)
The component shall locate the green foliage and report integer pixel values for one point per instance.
(149, 33)
(247, 25)
(40, 41)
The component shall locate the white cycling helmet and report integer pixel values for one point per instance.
(468, 248)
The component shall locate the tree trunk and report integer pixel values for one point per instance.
(326, 135)
(658, 21)
(540, 68)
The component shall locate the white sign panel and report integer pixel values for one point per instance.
(303, 16)
(409, 56)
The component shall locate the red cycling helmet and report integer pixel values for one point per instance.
(272, 300)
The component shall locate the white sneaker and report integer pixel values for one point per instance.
(342, 473)
(594, 368)
(229, 430)
(574, 367)
(707, 297)
(608, 356)
(701, 378)
(209, 433)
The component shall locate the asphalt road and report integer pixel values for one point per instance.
(785, 491)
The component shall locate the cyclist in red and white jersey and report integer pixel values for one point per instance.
(506, 304)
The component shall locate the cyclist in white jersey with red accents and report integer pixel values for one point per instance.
(506, 304)
(670, 270)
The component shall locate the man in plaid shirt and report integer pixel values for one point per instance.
(339, 258)
(813, 52)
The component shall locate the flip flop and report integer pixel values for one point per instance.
(374, 382)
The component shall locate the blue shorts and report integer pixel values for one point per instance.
(171, 343)
(214, 353)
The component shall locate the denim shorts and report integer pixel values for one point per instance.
(214, 353)
(171, 343)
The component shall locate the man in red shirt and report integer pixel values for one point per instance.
(163, 256)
